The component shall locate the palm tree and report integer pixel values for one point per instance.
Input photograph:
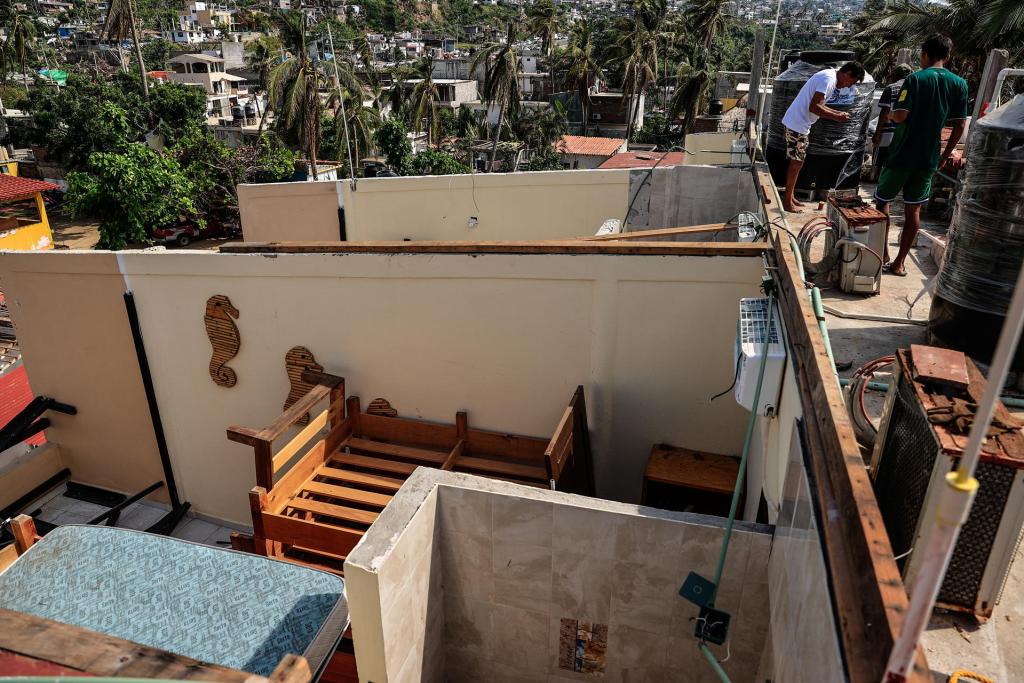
(119, 25)
(542, 21)
(261, 55)
(582, 67)
(695, 77)
(640, 45)
(501, 80)
(361, 121)
(21, 33)
(425, 96)
(294, 86)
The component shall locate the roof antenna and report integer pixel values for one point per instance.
(344, 116)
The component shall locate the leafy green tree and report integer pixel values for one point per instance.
(641, 69)
(156, 52)
(393, 142)
(547, 160)
(436, 162)
(131, 192)
(362, 121)
(261, 55)
(21, 34)
(501, 80)
(177, 108)
(540, 130)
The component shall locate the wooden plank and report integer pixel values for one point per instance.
(289, 417)
(294, 531)
(290, 449)
(20, 665)
(24, 530)
(368, 462)
(345, 493)
(342, 512)
(245, 435)
(940, 366)
(299, 473)
(660, 232)
(511, 469)
(8, 554)
(454, 456)
(101, 654)
(511, 446)
(394, 450)
(420, 432)
(692, 469)
(741, 249)
(360, 478)
(555, 455)
(869, 596)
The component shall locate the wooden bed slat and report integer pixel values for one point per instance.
(397, 451)
(356, 460)
(313, 534)
(336, 511)
(511, 469)
(348, 494)
(360, 478)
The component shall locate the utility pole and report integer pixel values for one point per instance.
(996, 62)
(756, 70)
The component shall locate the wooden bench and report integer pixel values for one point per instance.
(317, 494)
(683, 479)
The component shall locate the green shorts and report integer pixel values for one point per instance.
(916, 185)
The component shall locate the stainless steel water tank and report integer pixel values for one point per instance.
(985, 244)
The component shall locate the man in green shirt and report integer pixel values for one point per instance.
(929, 98)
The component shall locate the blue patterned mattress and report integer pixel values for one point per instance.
(217, 605)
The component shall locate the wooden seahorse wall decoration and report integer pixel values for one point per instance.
(381, 407)
(223, 337)
(296, 361)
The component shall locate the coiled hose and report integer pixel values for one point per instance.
(805, 238)
(863, 428)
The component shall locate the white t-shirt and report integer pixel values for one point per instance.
(799, 118)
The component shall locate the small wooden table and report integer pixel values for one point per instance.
(682, 479)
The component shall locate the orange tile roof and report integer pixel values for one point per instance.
(587, 146)
(643, 160)
(16, 187)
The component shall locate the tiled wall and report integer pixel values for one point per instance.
(514, 567)
(805, 644)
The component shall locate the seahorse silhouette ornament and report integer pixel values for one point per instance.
(296, 361)
(223, 337)
(381, 407)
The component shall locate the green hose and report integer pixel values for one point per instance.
(819, 313)
(714, 663)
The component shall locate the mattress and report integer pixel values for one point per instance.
(213, 604)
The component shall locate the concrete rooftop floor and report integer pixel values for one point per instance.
(994, 649)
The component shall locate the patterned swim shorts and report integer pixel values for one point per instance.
(796, 145)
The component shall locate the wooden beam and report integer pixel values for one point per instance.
(302, 532)
(101, 654)
(868, 593)
(453, 458)
(291, 669)
(660, 232)
(24, 530)
(740, 249)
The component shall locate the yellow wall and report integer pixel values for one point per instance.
(9, 166)
(32, 237)
(68, 310)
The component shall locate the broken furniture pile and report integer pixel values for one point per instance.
(314, 510)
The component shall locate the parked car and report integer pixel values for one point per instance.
(186, 232)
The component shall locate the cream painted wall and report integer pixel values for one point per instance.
(279, 212)
(517, 206)
(709, 148)
(505, 337)
(69, 313)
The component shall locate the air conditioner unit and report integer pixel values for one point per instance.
(911, 457)
(750, 337)
(860, 238)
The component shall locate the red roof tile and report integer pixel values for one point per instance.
(586, 146)
(15, 394)
(16, 187)
(643, 160)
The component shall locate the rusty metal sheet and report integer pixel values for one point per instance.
(856, 211)
(941, 366)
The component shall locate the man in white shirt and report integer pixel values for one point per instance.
(805, 110)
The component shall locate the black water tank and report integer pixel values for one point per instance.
(715, 107)
(835, 149)
(985, 243)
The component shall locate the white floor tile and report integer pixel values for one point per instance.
(197, 530)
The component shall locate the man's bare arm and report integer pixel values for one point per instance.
(818, 107)
(899, 115)
(959, 126)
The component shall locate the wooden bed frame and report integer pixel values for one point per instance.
(313, 508)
